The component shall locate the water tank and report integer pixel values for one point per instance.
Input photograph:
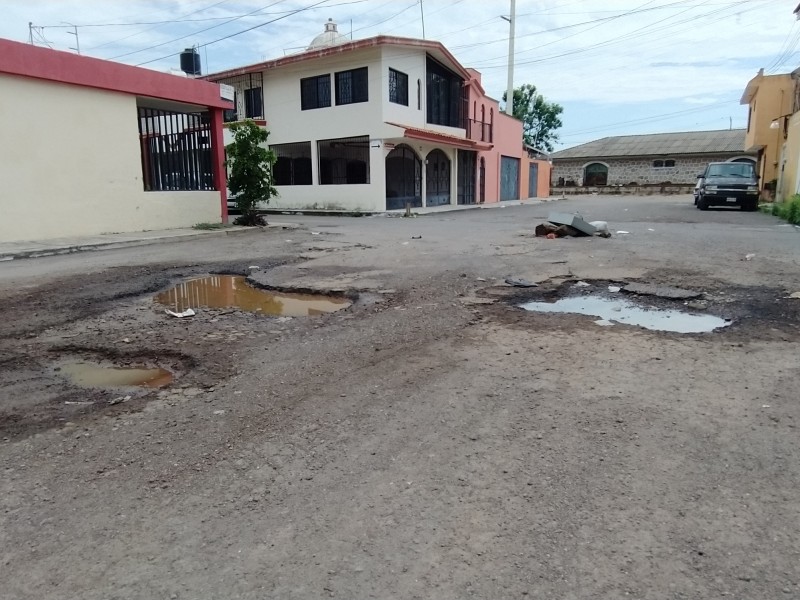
(190, 62)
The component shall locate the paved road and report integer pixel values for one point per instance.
(433, 441)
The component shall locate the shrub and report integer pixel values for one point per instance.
(789, 210)
(250, 164)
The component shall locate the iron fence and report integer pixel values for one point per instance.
(176, 150)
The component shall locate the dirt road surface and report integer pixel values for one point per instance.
(431, 441)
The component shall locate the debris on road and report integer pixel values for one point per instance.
(560, 225)
(189, 312)
(572, 220)
(519, 282)
(614, 288)
(582, 284)
(749, 256)
(623, 232)
(602, 228)
(661, 291)
(794, 295)
(416, 237)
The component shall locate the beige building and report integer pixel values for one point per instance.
(93, 147)
(770, 98)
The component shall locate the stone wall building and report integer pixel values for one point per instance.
(671, 159)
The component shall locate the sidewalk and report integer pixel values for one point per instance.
(110, 241)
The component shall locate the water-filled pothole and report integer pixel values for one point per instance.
(233, 291)
(92, 375)
(628, 313)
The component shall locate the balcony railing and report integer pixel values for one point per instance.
(479, 131)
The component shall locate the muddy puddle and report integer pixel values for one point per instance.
(232, 291)
(91, 375)
(612, 311)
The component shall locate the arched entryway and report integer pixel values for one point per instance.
(595, 174)
(403, 178)
(437, 176)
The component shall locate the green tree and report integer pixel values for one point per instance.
(540, 118)
(250, 170)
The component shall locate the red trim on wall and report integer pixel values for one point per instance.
(429, 135)
(218, 158)
(25, 60)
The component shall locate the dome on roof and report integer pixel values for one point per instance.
(329, 37)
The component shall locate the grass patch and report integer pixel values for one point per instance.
(207, 226)
(789, 211)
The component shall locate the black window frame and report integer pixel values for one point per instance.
(344, 161)
(398, 87)
(352, 86)
(253, 103)
(315, 92)
(292, 164)
(446, 96)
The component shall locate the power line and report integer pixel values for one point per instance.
(658, 117)
(201, 31)
(623, 38)
(206, 44)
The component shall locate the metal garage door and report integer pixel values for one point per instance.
(509, 178)
(533, 180)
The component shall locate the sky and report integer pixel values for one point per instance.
(617, 67)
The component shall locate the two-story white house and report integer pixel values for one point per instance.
(366, 125)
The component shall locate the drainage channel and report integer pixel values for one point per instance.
(233, 291)
(622, 311)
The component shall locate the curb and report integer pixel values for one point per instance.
(73, 249)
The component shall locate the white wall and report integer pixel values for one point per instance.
(287, 123)
(71, 165)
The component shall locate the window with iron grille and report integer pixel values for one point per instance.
(446, 96)
(352, 86)
(253, 103)
(315, 92)
(344, 160)
(398, 87)
(293, 163)
(658, 164)
(176, 150)
(248, 100)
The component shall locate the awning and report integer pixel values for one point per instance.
(438, 137)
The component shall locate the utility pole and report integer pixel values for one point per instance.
(30, 32)
(422, 15)
(77, 47)
(730, 122)
(510, 92)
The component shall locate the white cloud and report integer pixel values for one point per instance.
(622, 53)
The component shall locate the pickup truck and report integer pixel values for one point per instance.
(727, 184)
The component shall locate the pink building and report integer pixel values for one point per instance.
(505, 172)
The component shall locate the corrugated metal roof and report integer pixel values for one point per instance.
(659, 144)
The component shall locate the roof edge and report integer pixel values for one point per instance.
(372, 42)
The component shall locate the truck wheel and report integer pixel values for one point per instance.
(750, 205)
(701, 203)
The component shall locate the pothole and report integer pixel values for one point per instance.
(233, 291)
(93, 375)
(625, 312)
